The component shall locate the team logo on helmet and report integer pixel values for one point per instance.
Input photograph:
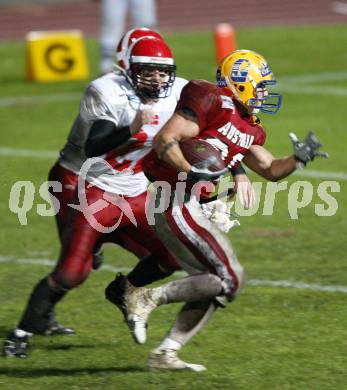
(239, 71)
(264, 70)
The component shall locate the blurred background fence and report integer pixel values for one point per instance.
(17, 17)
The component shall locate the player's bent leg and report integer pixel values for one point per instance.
(156, 265)
(200, 245)
(71, 270)
(190, 320)
(142, 301)
(75, 262)
(145, 272)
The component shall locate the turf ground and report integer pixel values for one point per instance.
(287, 330)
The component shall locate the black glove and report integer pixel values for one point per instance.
(200, 171)
(308, 149)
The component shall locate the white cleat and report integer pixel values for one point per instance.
(141, 301)
(138, 328)
(167, 359)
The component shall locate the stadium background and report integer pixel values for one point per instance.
(287, 330)
(20, 16)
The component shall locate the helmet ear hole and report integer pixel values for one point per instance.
(241, 88)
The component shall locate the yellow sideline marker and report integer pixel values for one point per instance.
(56, 56)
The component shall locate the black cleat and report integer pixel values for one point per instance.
(55, 329)
(98, 259)
(16, 343)
(115, 293)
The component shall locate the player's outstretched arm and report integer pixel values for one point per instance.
(307, 149)
(266, 165)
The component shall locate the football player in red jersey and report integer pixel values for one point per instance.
(226, 113)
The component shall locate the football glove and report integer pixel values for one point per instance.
(307, 149)
(219, 213)
(201, 172)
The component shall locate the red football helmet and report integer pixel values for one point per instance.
(151, 67)
(128, 38)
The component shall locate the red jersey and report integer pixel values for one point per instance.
(221, 123)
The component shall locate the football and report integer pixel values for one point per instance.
(197, 150)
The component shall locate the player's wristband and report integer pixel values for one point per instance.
(238, 171)
(299, 164)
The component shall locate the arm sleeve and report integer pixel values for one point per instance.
(105, 136)
(198, 97)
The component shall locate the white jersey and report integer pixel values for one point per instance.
(112, 98)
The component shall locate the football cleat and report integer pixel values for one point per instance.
(141, 301)
(16, 343)
(116, 293)
(167, 359)
(55, 329)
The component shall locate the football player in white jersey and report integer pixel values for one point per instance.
(119, 115)
(72, 156)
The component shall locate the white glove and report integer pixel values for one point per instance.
(218, 212)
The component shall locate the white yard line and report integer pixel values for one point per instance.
(312, 90)
(9, 101)
(296, 285)
(321, 174)
(313, 78)
(285, 84)
(12, 152)
(250, 282)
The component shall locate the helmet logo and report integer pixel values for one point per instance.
(239, 71)
(264, 70)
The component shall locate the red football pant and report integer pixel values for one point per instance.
(79, 238)
(69, 182)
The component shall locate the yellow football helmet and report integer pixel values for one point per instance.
(247, 75)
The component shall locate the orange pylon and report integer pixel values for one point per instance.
(225, 40)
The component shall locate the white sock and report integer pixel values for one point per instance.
(168, 343)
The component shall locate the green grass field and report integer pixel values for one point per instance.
(289, 335)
